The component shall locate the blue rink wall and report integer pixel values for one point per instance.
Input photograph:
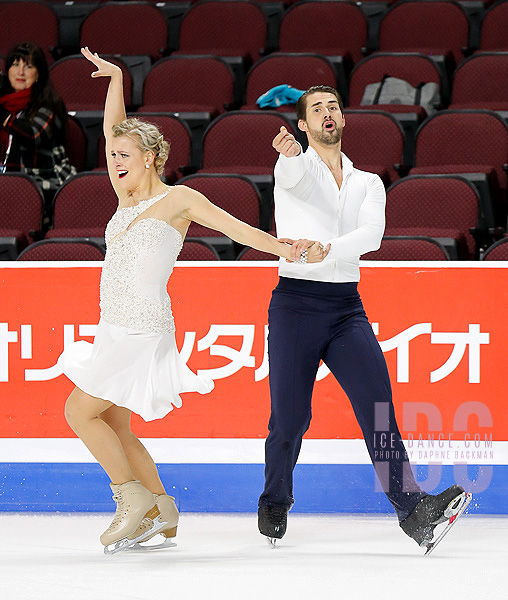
(52, 487)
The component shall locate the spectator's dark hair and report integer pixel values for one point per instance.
(301, 105)
(42, 92)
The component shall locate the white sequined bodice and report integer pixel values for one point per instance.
(139, 261)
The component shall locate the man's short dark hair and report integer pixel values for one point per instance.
(301, 105)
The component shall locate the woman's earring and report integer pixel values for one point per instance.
(147, 166)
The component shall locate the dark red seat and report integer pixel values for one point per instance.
(21, 213)
(129, 28)
(174, 131)
(408, 248)
(71, 78)
(298, 70)
(241, 142)
(28, 21)
(235, 194)
(63, 249)
(411, 67)
(498, 250)
(223, 28)
(374, 141)
(437, 207)
(195, 249)
(327, 28)
(468, 141)
(480, 82)
(83, 206)
(188, 84)
(432, 27)
(494, 27)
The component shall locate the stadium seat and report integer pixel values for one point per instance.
(374, 141)
(324, 27)
(408, 248)
(233, 193)
(223, 28)
(480, 82)
(433, 27)
(71, 78)
(196, 249)
(28, 21)
(241, 142)
(21, 209)
(126, 28)
(494, 26)
(498, 250)
(411, 67)
(63, 249)
(298, 70)
(189, 84)
(83, 207)
(468, 141)
(444, 207)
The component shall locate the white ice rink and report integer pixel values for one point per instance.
(353, 557)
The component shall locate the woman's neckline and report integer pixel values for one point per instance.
(158, 196)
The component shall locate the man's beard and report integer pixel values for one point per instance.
(326, 138)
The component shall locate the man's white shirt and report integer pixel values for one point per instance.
(309, 204)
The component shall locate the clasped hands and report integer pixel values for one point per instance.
(316, 252)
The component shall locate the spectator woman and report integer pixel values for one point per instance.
(32, 121)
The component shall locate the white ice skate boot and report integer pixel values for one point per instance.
(168, 514)
(135, 504)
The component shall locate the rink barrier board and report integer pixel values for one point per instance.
(60, 487)
(447, 316)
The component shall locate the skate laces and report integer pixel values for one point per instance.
(120, 509)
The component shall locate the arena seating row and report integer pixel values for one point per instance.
(445, 208)
(473, 143)
(251, 29)
(208, 84)
(407, 248)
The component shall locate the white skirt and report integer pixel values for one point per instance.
(138, 370)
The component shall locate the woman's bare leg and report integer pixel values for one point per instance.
(82, 412)
(140, 461)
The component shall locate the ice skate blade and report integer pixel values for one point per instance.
(126, 543)
(452, 512)
(272, 542)
(140, 547)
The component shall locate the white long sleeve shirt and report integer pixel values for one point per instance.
(309, 204)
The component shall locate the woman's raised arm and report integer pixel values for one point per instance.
(114, 107)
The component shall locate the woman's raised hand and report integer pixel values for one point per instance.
(104, 68)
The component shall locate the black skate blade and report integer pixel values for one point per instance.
(458, 511)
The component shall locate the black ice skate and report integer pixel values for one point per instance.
(272, 522)
(432, 511)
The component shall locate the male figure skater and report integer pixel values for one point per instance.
(316, 314)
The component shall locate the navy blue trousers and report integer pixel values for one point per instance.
(311, 321)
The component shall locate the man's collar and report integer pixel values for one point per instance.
(347, 164)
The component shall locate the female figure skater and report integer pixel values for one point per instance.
(133, 364)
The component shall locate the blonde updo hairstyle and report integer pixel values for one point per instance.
(147, 137)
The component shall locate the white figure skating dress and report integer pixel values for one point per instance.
(134, 361)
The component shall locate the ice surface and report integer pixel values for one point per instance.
(353, 557)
